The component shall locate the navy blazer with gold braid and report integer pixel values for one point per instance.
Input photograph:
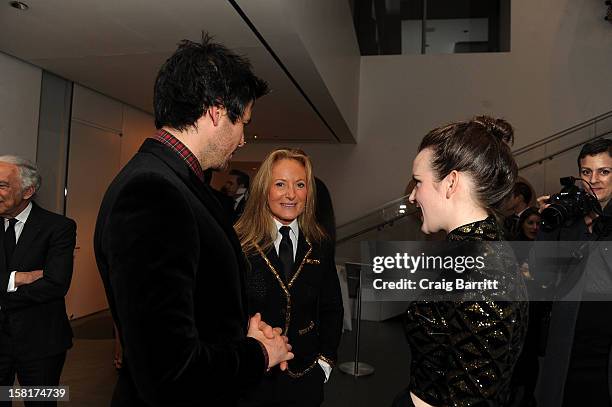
(308, 307)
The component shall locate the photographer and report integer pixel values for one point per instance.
(574, 370)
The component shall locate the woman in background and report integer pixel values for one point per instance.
(291, 280)
(527, 368)
(463, 352)
(529, 224)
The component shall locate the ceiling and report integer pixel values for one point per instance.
(117, 46)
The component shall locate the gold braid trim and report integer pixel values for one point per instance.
(299, 270)
(297, 375)
(309, 328)
(278, 277)
(332, 363)
(282, 284)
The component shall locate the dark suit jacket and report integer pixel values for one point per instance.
(226, 203)
(35, 315)
(566, 309)
(308, 308)
(237, 213)
(173, 272)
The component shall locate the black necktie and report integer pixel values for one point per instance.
(285, 252)
(10, 241)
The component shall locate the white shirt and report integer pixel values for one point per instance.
(22, 217)
(241, 193)
(294, 234)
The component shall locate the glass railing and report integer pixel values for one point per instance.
(541, 164)
(396, 220)
(559, 144)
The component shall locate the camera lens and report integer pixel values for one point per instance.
(554, 216)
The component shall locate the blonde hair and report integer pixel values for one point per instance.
(256, 225)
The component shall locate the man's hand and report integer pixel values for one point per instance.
(542, 202)
(270, 333)
(277, 346)
(27, 277)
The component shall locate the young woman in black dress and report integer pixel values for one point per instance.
(463, 352)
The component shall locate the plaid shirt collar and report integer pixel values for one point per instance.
(179, 148)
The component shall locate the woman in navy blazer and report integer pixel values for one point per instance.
(292, 279)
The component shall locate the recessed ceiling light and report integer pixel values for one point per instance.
(19, 5)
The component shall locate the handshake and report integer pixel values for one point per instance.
(277, 345)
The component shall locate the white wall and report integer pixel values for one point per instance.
(137, 126)
(105, 134)
(557, 74)
(316, 42)
(53, 139)
(326, 29)
(19, 104)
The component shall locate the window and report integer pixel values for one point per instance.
(386, 27)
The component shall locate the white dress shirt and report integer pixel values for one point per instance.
(294, 234)
(21, 220)
(241, 193)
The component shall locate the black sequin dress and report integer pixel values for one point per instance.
(463, 353)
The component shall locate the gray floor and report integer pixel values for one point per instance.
(383, 346)
(91, 376)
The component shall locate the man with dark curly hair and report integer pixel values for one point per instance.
(170, 261)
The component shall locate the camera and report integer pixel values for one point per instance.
(570, 203)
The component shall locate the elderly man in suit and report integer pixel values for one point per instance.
(170, 261)
(36, 256)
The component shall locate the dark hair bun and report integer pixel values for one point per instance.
(499, 128)
(481, 148)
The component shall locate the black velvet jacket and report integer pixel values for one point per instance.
(463, 353)
(173, 271)
(308, 308)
